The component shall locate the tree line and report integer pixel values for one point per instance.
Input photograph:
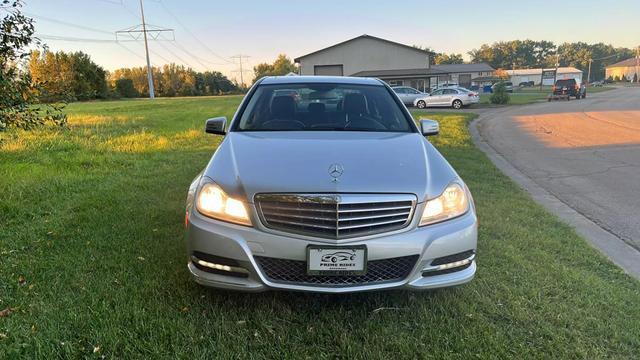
(74, 76)
(523, 54)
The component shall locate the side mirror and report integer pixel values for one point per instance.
(215, 125)
(429, 127)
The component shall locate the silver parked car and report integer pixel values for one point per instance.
(332, 190)
(455, 98)
(408, 95)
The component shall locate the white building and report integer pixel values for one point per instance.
(535, 75)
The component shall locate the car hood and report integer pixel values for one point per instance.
(249, 163)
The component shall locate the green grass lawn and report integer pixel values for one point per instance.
(523, 96)
(92, 261)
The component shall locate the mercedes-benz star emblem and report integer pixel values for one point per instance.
(336, 170)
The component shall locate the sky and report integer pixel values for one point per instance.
(209, 32)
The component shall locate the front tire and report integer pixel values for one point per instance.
(421, 104)
(456, 104)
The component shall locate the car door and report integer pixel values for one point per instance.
(402, 94)
(412, 95)
(435, 98)
(447, 96)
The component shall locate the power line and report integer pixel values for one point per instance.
(176, 44)
(175, 55)
(240, 57)
(67, 23)
(192, 34)
(75, 39)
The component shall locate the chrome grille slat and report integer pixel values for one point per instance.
(375, 209)
(297, 216)
(347, 227)
(302, 224)
(335, 216)
(373, 216)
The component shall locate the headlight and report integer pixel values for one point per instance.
(452, 203)
(215, 203)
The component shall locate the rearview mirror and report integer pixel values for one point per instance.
(215, 125)
(429, 127)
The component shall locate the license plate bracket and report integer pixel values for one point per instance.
(336, 260)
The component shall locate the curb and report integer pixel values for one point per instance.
(619, 252)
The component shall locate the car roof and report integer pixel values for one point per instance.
(305, 79)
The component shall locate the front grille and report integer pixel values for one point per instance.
(335, 216)
(295, 272)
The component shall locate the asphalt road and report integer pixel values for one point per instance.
(584, 152)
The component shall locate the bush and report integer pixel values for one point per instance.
(635, 77)
(500, 95)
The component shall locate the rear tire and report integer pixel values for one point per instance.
(421, 104)
(456, 104)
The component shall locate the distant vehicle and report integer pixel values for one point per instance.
(455, 98)
(569, 88)
(527, 84)
(408, 94)
(597, 83)
(508, 86)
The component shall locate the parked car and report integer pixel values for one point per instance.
(408, 94)
(527, 83)
(597, 83)
(455, 98)
(508, 86)
(570, 88)
(290, 186)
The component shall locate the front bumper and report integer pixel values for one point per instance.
(241, 243)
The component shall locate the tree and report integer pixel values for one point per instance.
(17, 93)
(125, 88)
(282, 66)
(448, 59)
(67, 76)
(172, 80)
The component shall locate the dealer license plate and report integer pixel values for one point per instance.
(336, 260)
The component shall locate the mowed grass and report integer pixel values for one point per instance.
(92, 261)
(522, 96)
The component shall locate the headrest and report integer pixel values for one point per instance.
(355, 104)
(283, 107)
(316, 107)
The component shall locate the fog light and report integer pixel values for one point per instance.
(453, 265)
(219, 268)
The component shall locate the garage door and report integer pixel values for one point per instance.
(331, 70)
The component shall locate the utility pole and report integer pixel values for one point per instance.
(589, 73)
(146, 49)
(145, 31)
(239, 57)
(637, 64)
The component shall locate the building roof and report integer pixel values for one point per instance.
(538, 71)
(364, 36)
(463, 68)
(305, 79)
(399, 72)
(624, 63)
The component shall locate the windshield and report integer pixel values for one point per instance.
(322, 107)
(569, 82)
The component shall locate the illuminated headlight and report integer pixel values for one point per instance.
(215, 203)
(452, 203)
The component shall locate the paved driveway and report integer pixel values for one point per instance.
(585, 152)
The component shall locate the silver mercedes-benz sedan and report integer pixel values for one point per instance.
(326, 184)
